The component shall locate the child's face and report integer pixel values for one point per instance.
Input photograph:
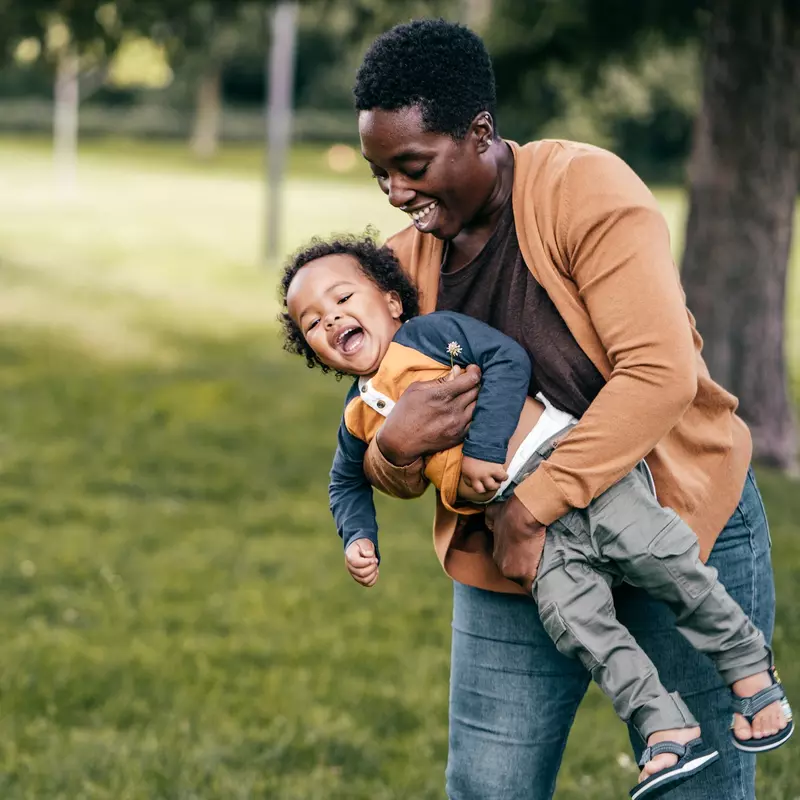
(347, 320)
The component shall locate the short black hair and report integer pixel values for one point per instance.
(377, 262)
(441, 66)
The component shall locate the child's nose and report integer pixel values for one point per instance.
(331, 319)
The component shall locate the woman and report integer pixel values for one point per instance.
(561, 247)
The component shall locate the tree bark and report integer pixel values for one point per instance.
(208, 112)
(743, 176)
(279, 66)
(65, 121)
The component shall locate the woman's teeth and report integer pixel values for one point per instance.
(423, 212)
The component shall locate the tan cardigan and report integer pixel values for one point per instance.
(593, 236)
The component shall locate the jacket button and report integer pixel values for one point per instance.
(364, 388)
(381, 404)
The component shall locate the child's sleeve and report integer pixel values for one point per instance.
(350, 494)
(505, 374)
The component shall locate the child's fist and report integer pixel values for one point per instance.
(482, 476)
(361, 562)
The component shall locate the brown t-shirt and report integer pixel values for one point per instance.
(497, 288)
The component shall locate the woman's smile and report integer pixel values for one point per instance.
(424, 216)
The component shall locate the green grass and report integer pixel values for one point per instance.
(175, 617)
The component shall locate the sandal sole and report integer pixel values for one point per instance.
(765, 745)
(667, 779)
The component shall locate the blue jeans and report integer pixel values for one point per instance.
(513, 696)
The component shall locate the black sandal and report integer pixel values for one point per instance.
(693, 757)
(748, 707)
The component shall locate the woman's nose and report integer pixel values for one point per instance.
(399, 194)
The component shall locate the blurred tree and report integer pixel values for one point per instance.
(283, 27)
(744, 172)
(201, 37)
(745, 163)
(78, 36)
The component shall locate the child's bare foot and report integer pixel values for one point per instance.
(766, 722)
(666, 760)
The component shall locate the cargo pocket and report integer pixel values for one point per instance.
(675, 550)
(565, 640)
(553, 622)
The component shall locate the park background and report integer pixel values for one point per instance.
(175, 616)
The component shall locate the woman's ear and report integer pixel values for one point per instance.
(395, 304)
(482, 129)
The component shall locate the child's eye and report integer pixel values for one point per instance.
(345, 298)
(312, 325)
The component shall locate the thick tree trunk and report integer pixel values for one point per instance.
(208, 112)
(65, 121)
(744, 173)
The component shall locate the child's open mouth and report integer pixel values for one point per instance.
(350, 339)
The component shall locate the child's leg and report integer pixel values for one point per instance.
(577, 611)
(655, 550)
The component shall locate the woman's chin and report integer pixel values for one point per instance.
(446, 232)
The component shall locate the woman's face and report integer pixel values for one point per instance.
(441, 183)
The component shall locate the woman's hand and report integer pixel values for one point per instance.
(430, 416)
(518, 541)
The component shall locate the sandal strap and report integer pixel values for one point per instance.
(662, 747)
(748, 707)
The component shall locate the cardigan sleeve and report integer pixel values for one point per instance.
(614, 245)
(404, 483)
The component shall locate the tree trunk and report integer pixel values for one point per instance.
(208, 111)
(743, 176)
(282, 26)
(65, 121)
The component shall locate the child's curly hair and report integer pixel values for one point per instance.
(378, 263)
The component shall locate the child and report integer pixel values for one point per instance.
(350, 308)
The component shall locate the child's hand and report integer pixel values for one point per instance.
(361, 562)
(482, 476)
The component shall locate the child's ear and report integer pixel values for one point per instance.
(395, 304)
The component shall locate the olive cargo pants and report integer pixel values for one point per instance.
(624, 534)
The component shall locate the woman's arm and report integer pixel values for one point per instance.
(615, 244)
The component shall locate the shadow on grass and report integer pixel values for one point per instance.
(175, 615)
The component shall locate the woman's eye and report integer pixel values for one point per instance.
(416, 175)
(345, 298)
(379, 178)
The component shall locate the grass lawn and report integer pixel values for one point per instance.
(175, 617)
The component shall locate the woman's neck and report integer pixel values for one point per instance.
(501, 189)
(473, 237)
